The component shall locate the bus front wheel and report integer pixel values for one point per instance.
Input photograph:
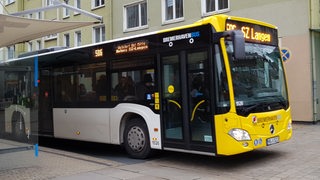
(136, 139)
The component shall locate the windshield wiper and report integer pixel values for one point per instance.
(281, 101)
(262, 107)
(246, 110)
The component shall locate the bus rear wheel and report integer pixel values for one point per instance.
(18, 127)
(136, 139)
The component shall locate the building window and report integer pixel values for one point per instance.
(210, 7)
(97, 3)
(66, 12)
(39, 15)
(172, 10)
(11, 50)
(136, 15)
(77, 38)
(99, 34)
(29, 45)
(49, 2)
(77, 4)
(7, 2)
(51, 37)
(38, 45)
(66, 40)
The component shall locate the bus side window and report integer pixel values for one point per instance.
(129, 86)
(124, 90)
(85, 91)
(101, 85)
(64, 83)
(146, 88)
(91, 83)
(132, 85)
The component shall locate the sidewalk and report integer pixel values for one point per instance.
(297, 158)
(18, 161)
(7, 146)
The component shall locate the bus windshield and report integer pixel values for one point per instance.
(258, 80)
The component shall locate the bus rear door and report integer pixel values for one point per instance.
(45, 102)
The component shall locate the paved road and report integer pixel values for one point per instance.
(295, 159)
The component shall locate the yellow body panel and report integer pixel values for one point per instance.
(257, 125)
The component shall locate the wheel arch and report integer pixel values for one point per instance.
(125, 119)
(19, 129)
(123, 113)
(9, 117)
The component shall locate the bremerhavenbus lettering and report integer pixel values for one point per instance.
(181, 37)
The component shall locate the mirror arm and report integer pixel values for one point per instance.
(237, 38)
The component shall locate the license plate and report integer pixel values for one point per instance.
(273, 140)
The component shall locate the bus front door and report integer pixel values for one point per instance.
(186, 112)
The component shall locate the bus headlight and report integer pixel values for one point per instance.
(239, 134)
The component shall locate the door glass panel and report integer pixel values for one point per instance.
(45, 102)
(172, 113)
(199, 109)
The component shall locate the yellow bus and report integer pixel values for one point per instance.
(215, 87)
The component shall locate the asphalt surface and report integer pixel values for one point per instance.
(297, 158)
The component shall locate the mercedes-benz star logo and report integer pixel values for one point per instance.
(271, 129)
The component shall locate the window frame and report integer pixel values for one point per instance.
(49, 2)
(38, 44)
(29, 46)
(77, 4)
(51, 37)
(125, 17)
(8, 2)
(101, 3)
(101, 37)
(66, 40)
(66, 11)
(39, 15)
(11, 51)
(216, 11)
(174, 18)
(77, 38)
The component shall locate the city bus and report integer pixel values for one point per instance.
(215, 87)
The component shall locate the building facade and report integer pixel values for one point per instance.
(299, 30)
(86, 35)
(298, 22)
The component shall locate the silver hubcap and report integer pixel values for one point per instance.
(136, 139)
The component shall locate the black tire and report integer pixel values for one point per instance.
(18, 127)
(136, 139)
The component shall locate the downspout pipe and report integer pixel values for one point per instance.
(314, 76)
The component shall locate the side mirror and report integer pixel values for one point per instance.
(237, 38)
(238, 45)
